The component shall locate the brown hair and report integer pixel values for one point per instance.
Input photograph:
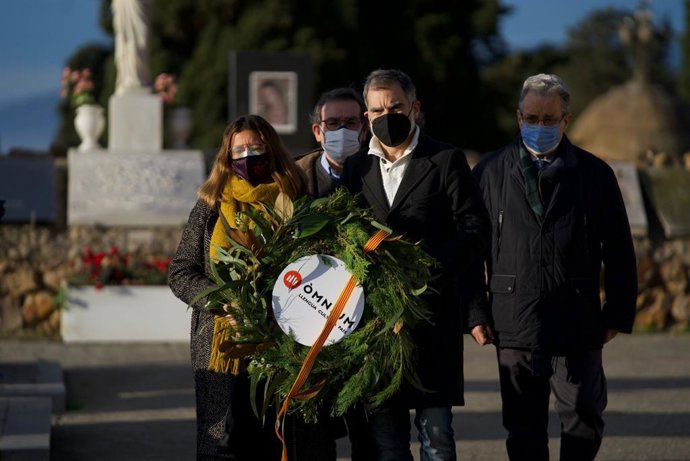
(290, 179)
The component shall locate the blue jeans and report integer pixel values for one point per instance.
(390, 433)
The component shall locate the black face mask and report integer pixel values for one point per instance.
(392, 129)
(254, 168)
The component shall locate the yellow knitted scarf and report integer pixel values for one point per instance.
(238, 195)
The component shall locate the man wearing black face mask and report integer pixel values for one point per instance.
(424, 189)
(337, 125)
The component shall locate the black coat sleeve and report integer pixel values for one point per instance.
(465, 251)
(618, 257)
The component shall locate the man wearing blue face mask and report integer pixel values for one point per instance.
(558, 217)
(337, 125)
(424, 190)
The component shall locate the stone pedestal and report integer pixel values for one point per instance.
(144, 188)
(135, 121)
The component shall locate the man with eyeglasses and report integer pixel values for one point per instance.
(424, 190)
(337, 127)
(558, 217)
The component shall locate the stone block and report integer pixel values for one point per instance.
(25, 428)
(667, 189)
(37, 307)
(124, 314)
(20, 281)
(33, 379)
(133, 189)
(135, 122)
(680, 309)
(10, 314)
(629, 183)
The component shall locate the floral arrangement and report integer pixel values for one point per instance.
(116, 268)
(166, 87)
(370, 363)
(77, 86)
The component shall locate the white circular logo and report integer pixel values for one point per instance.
(305, 294)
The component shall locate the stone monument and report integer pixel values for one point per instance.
(135, 114)
(134, 182)
(639, 115)
(635, 122)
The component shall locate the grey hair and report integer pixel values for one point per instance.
(385, 78)
(545, 84)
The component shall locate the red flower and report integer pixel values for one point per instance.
(98, 259)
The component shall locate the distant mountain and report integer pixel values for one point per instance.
(30, 122)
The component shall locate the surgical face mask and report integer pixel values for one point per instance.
(540, 139)
(254, 167)
(392, 129)
(340, 144)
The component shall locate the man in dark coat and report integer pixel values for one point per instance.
(557, 215)
(424, 189)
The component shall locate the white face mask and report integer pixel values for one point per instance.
(340, 144)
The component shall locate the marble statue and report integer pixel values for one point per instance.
(130, 21)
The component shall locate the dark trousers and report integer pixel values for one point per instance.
(357, 429)
(579, 387)
(228, 429)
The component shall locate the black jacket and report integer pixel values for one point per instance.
(438, 202)
(544, 274)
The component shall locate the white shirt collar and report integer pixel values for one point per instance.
(375, 146)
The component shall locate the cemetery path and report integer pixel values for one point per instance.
(136, 402)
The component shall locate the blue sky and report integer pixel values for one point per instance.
(37, 36)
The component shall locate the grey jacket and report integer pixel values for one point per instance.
(189, 274)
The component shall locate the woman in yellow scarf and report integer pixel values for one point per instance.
(251, 166)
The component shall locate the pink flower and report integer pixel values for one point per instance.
(165, 86)
(77, 86)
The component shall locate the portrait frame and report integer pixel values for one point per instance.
(248, 69)
(273, 95)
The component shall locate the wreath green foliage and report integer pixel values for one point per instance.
(368, 365)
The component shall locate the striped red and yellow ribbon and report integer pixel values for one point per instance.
(310, 359)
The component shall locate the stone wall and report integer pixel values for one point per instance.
(34, 261)
(663, 274)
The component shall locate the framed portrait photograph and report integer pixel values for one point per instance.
(273, 95)
(277, 85)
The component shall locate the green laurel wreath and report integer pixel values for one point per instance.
(366, 366)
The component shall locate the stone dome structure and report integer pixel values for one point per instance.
(638, 118)
(630, 120)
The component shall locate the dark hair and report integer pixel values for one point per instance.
(338, 94)
(290, 179)
(385, 78)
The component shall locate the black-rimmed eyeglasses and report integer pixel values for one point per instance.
(333, 124)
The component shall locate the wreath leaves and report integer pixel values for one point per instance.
(366, 366)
